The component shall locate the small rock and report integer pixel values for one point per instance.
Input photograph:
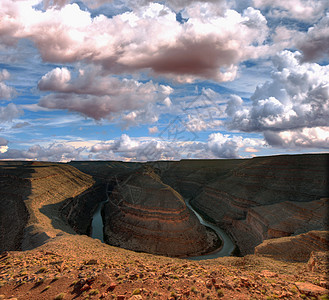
(112, 286)
(324, 284)
(92, 262)
(311, 289)
(209, 284)
(267, 273)
(85, 287)
(121, 297)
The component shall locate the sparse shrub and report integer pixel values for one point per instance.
(220, 293)
(324, 297)
(194, 290)
(40, 281)
(42, 270)
(60, 296)
(94, 292)
(46, 288)
(155, 294)
(54, 279)
(136, 292)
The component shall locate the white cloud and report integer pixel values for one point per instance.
(206, 46)
(146, 149)
(3, 145)
(305, 10)
(153, 130)
(54, 152)
(9, 112)
(297, 97)
(227, 146)
(317, 137)
(98, 96)
(6, 92)
(314, 44)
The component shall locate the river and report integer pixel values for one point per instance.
(97, 223)
(227, 244)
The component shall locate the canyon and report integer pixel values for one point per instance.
(272, 207)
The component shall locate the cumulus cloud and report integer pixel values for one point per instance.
(146, 149)
(100, 97)
(3, 141)
(137, 150)
(6, 92)
(297, 97)
(314, 44)
(54, 152)
(206, 46)
(9, 112)
(153, 130)
(317, 137)
(305, 10)
(227, 146)
(3, 145)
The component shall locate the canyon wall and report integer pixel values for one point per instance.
(32, 194)
(263, 197)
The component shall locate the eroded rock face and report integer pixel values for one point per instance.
(268, 197)
(295, 248)
(144, 214)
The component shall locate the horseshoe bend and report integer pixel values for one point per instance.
(271, 207)
(144, 214)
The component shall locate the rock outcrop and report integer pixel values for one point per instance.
(144, 214)
(31, 195)
(295, 248)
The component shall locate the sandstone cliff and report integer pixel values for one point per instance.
(243, 200)
(31, 195)
(144, 214)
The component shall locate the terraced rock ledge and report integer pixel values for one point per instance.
(144, 214)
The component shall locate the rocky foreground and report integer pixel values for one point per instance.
(44, 205)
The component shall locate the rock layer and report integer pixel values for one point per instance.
(295, 248)
(242, 200)
(31, 195)
(144, 214)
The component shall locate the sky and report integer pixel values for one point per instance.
(165, 80)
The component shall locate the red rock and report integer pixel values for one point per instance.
(121, 297)
(209, 284)
(311, 289)
(86, 287)
(112, 286)
(267, 273)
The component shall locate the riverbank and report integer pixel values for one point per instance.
(222, 249)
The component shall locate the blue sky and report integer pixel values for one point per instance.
(144, 80)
